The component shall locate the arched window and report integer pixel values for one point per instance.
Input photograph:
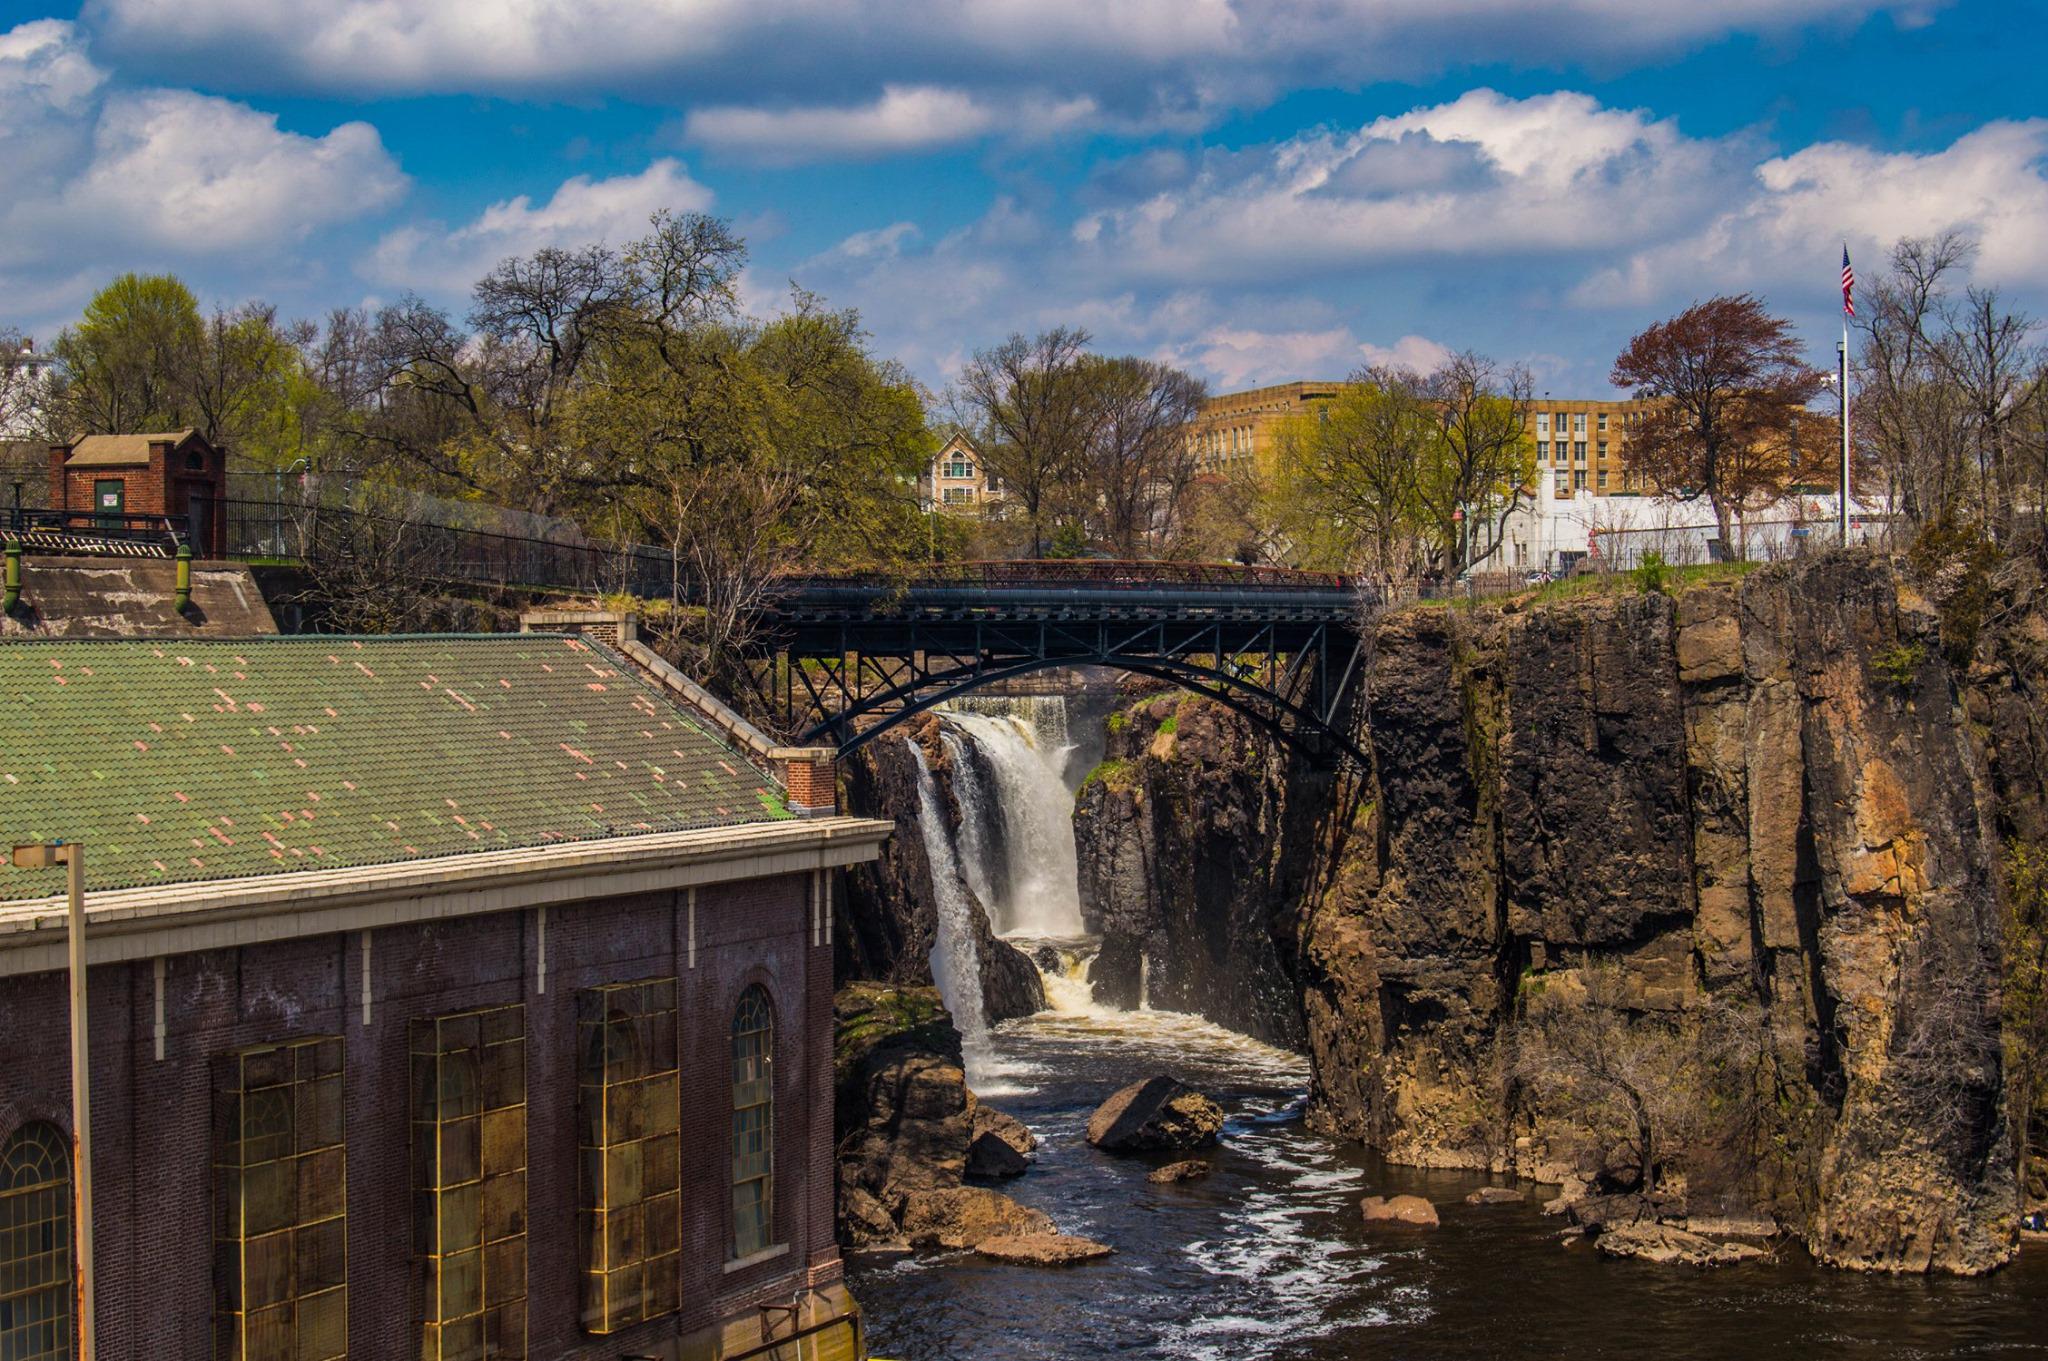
(753, 1123)
(35, 1245)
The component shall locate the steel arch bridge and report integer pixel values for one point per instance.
(844, 659)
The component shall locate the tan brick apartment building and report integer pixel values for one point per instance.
(450, 998)
(1579, 442)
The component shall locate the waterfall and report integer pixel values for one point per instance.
(1068, 987)
(956, 959)
(1024, 826)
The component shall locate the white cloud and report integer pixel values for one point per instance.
(1415, 354)
(903, 118)
(1144, 59)
(1789, 225)
(99, 181)
(1484, 175)
(582, 210)
(198, 176)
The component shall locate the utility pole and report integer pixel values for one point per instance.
(71, 855)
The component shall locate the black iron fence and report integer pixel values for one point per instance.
(420, 545)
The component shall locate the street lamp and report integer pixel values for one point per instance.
(71, 855)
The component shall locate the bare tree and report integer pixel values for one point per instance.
(1139, 461)
(1729, 385)
(1030, 400)
(1481, 463)
(375, 565)
(1590, 1056)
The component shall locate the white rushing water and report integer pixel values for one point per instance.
(955, 958)
(1017, 839)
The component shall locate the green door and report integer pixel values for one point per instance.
(110, 500)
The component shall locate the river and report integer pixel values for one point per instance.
(1267, 1258)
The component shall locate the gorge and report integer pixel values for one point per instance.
(1729, 886)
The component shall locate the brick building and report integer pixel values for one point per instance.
(1236, 429)
(1580, 444)
(128, 479)
(450, 998)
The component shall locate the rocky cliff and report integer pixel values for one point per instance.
(1194, 841)
(1721, 890)
(887, 916)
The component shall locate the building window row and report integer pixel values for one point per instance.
(280, 1235)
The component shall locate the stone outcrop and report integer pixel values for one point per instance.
(1412, 1211)
(1158, 1113)
(900, 1105)
(968, 1217)
(1191, 847)
(1753, 839)
(887, 920)
(1173, 1174)
(909, 1130)
(1670, 1246)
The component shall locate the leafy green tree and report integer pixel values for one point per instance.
(1405, 473)
(126, 365)
(1347, 481)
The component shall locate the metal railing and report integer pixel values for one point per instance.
(297, 530)
(1094, 573)
(773, 1350)
(112, 533)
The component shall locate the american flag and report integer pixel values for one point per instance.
(1848, 285)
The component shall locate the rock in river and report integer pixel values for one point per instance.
(1495, 1195)
(1669, 1246)
(1158, 1113)
(1410, 1210)
(1001, 1144)
(1172, 1173)
(1042, 1249)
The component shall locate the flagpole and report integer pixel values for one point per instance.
(1842, 380)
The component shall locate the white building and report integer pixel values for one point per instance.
(25, 378)
(1555, 534)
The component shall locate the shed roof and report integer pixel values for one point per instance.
(122, 451)
(184, 761)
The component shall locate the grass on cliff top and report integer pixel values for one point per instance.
(1592, 585)
(869, 1013)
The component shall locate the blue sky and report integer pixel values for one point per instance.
(1259, 191)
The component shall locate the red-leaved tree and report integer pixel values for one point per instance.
(1730, 388)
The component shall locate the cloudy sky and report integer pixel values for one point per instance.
(1259, 189)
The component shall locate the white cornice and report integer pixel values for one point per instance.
(140, 923)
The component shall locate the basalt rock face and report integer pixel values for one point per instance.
(1192, 852)
(887, 918)
(1742, 854)
(1751, 821)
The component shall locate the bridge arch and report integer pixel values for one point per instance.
(1285, 722)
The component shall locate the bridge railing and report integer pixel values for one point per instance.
(1096, 574)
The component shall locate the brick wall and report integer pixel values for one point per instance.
(152, 1120)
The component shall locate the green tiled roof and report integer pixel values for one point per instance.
(218, 759)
